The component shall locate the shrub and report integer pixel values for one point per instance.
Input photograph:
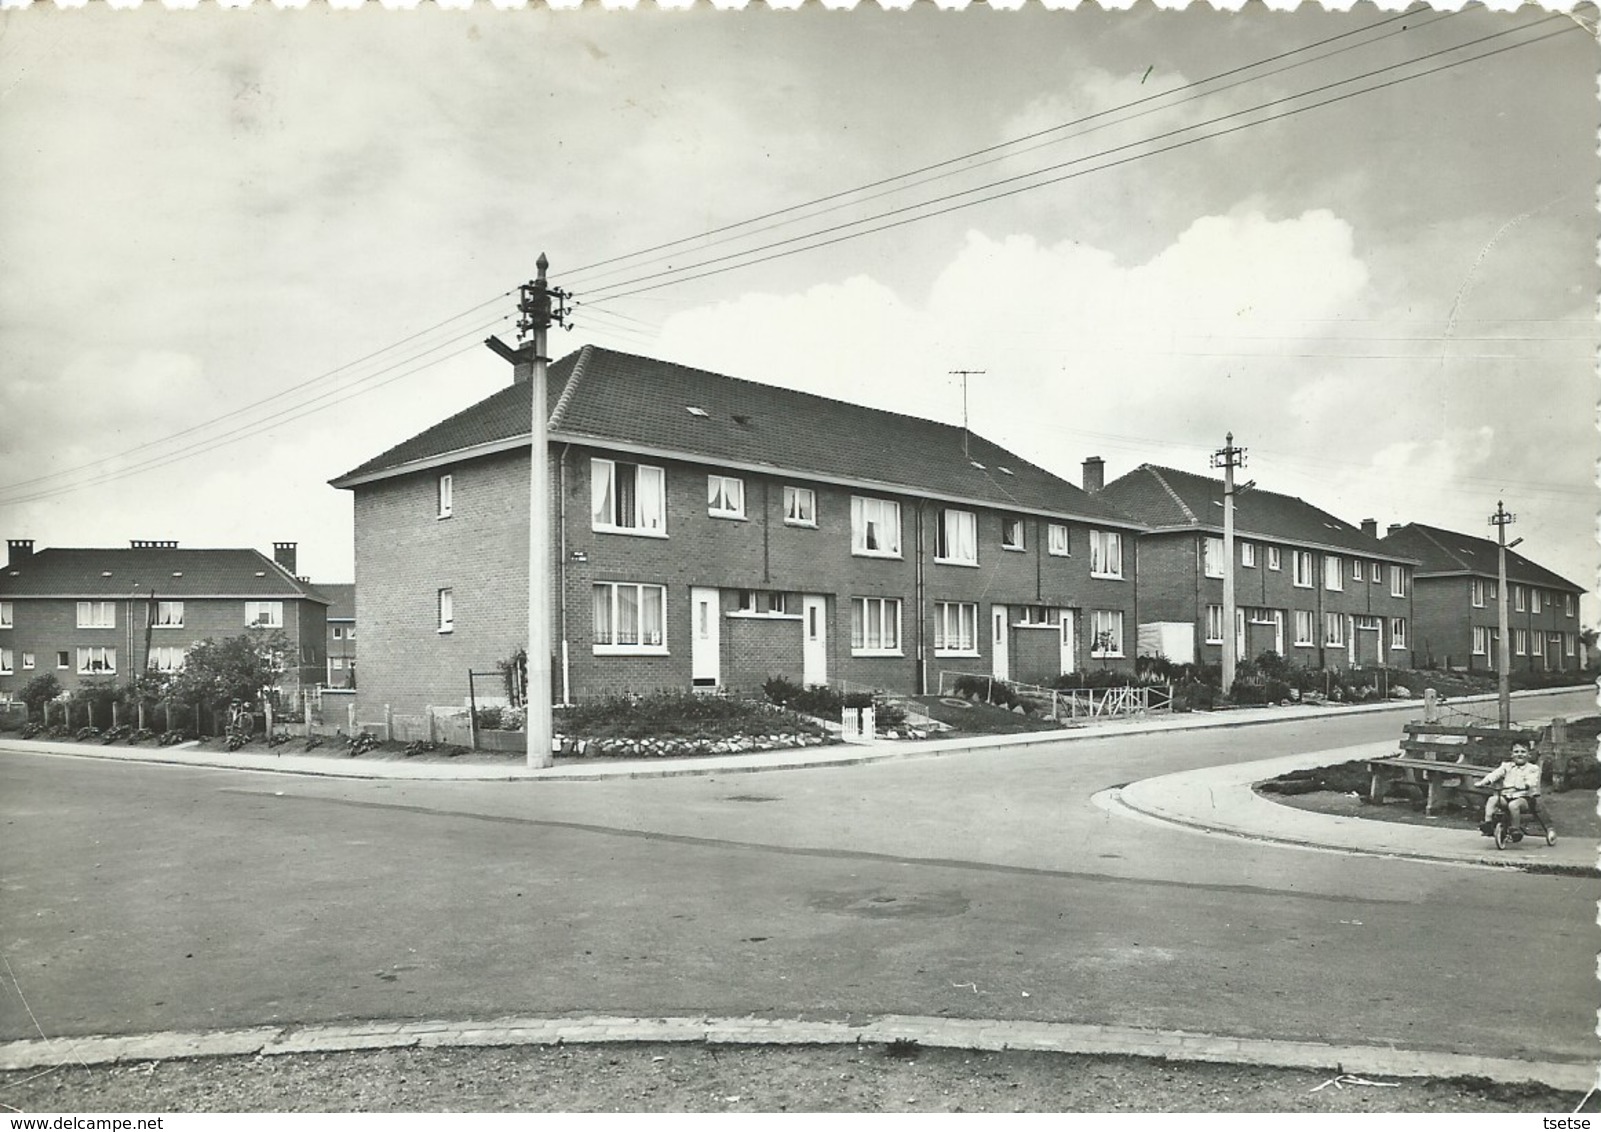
(40, 691)
(360, 743)
(140, 735)
(489, 718)
(988, 689)
(676, 714)
(87, 733)
(29, 730)
(176, 735)
(825, 702)
(278, 738)
(419, 747)
(112, 734)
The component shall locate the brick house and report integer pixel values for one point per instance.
(1308, 586)
(712, 532)
(1456, 604)
(98, 613)
(341, 648)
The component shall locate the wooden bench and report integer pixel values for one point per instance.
(1441, 762)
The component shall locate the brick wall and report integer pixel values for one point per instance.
(756, 648)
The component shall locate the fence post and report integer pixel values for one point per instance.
(350, 716)
(389, 723)
(429, 712)
(114, 713)
(266, 710)
(306, 704)
(1431, 706)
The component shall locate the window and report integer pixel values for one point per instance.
(766, 603)
(1534, 600)
(1106, 554)
(97, 615)
(1212, 558)
(27, 659)
(1567, 605)
(1334, 628)
(446, 495)
(1398, 632)
(875, 527)
(1481, 640)
(337, 632)
(1247, 554)
(1304, 619)
(1106, 632)
(337, 663)
(269, 614)
(166, 659)
(1333, 572)
(1011, 532)
(1397, 581)
(627, 497)
(875, 626)
(1568, 640)
(1301, 561)
(169, 615)
(1056, 540)
(63, 659)
(1214, 624)
(5, 615)
(1375, 573)
(350, 632)
(1520, 642)
(800, 506)
(955, 628)
(96, 659)
(1273, 560)
(1356, 569)
(956, 537)
(1476, 592)
(630, 618)
(7, 662)
(725, 497)
(446, 605)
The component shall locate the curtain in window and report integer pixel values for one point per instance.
(650, 502)
(603, 629)
(651, 615)
(627, 615)
(602, 505)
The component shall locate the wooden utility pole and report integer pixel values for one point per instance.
(1228, 458)
(1503, 649)
(964, 374)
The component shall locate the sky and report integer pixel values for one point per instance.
(242, 252)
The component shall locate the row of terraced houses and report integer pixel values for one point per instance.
(712, 532)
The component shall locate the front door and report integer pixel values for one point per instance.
(1000, 667)
(814, 646)
(1069, 643)
(705, 649)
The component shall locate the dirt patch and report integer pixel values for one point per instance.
(980, 718)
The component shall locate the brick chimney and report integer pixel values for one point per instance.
(283, 553)
(1370, 527)
(19, 550)
(1394, 527)
(1094, 474)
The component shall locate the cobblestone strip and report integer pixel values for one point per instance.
(950, 1033)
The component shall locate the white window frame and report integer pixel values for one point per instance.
(1248, 554)
(97, 615)
(8, 661)
(1397, 581)
(1214, 624)
(93, 660)
(951, 536)
(725, 497)
(336, 664)
(1398, 633)
(63, 660)
(267, 614)
(859, 620)
(1301, 562)
(29, 661)
(644, 646)
(1009, 524)
(1534, 599)
(1106, 554)
(1476, 592)
(1106, 620)
(752, 601)
(446, 496)
(169, 615)
(337, 631)
(1567, 606)
(1058, 542)
(1306, 628)
(445, 609)
(879, 517)
(1520, 642)
(1212, 557)
(6, 614)
(1275, 560)
(1333, 573)
(166, 658)
(800, 506)
(649, 519)
(1334, 630)
(1569, 645)
(1356, 569)
(956, 620)
(1481, 641)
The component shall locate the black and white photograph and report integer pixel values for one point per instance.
(895, 558)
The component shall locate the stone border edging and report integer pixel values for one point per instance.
(952, 1033)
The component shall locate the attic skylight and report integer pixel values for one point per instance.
(1004, 470)
(977, 465)
(261, 573)
(105, 573)
(697, 411)
(177, 573)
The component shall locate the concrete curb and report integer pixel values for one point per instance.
(789, 759)
(950, 1033)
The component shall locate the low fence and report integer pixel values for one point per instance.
(1067, 704)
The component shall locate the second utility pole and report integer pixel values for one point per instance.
(1228, 458)
(1503, 646)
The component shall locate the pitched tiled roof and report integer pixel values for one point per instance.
(1448, 552)
(636, 403)
(1166, 497)
(341, 599)
(172, 572)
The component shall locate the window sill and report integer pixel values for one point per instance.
(1106, 656)
(1058, 554)
(1214, 577)
(955, 562)
(444, 516)
(158, 628)
(629, 650)
(1303, 585)
(969, 654)
(875, 653)
(635, 532)
(725, 515)
(875, 554)
(747, 615)
(800, 523)
(446, 632)
(1304, 645)
(1015, 549)
(1107, 577)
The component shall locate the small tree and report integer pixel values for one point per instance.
(236, 668)
(39, 691)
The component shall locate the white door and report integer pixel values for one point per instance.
(1000, 666)
(814, 645)
(1069, 640)
(705, 650)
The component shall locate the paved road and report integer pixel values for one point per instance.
(136, 898)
